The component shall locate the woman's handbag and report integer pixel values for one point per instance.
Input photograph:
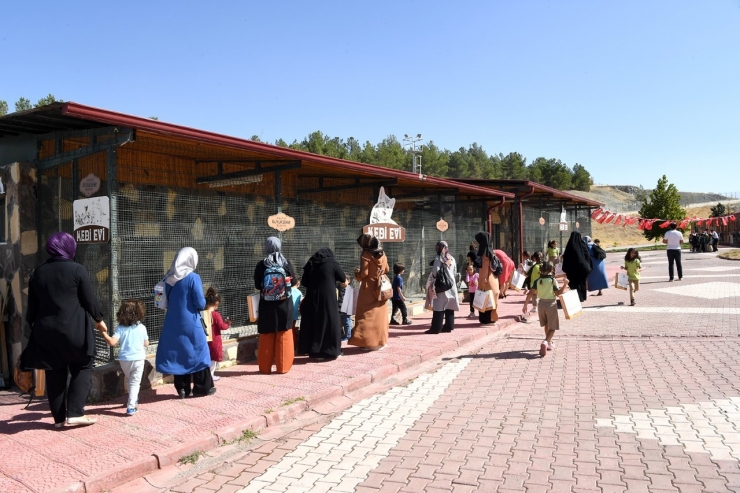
(385, 288)
(443, 282)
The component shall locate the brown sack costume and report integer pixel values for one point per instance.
(371, 319)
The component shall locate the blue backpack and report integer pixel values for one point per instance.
(275, 286)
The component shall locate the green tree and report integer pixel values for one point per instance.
(3, 107)
(434, 161)
(513, 166)
(23, 104)
(391, 154)
(281, 143)
(664, 202)
(581, 178)
(718, 210)
(552, 173)
(47, 100)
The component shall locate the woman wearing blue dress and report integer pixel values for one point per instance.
(597, 280)
(182, 350)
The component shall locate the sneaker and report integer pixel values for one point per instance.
(543, 348)
(59, 425)
(131, 411)
(670, 280)
(81, 421)
(550, 346)
(216, 379)
(407, 322)
(472, 315)
(632, 303)
(393, 322)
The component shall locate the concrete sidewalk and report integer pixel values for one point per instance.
(120, 448)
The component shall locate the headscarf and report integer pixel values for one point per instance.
(443, 251)
(577, 261)
(272, 252)
(587, 239)
(183, 264)
(484, 247)
(371, 244)
(323, 254)
(61, 245)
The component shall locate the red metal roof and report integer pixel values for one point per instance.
(538, 187)
(158, 127)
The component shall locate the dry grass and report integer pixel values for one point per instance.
(616, 236)
(699, 211)
(731, 255)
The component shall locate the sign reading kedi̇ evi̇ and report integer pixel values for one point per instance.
(92, 220)
(381, 225)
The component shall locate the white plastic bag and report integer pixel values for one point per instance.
(160, 295)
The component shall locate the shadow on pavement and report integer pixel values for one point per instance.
(503, 355)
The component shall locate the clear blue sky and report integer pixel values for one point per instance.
(631, 89)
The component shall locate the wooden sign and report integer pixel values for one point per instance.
(89, 185)
(281, 222)
(542, 221)
(442, 225)
(563, 226)
(386, 232)
(91, 220)
(571, 304)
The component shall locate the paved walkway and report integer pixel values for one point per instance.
(38, 458)
(643, 398)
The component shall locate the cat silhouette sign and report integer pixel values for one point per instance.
(382, 226)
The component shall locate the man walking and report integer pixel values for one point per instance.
(673, 239)
(715, 239)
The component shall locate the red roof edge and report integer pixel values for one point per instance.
(155, 126)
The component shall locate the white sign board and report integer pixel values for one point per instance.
(92, 220)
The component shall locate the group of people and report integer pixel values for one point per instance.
(63, 311)
(705, 241)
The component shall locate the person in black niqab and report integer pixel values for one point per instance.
(321, 329)
(577, 264)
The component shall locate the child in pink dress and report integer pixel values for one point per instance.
(471, 279)
(215, 346)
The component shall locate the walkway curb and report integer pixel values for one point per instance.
(160, 459)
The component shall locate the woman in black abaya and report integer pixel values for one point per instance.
(577, 264)
(321, 329)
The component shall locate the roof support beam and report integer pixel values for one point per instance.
(258, 170)
(65, 157)
(357, 183)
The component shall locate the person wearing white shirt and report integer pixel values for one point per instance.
(715, 239)
(673, 239)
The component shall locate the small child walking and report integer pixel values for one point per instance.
(297, 296)
(633, 267)
(215, 345)
(547, 290)
(399, 300)
(346, 320)
(132, 336)
(553, 252)
(532, 276)
(471, 279)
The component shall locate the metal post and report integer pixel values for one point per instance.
(111, 174)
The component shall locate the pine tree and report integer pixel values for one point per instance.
(718, 210)
(664, 202)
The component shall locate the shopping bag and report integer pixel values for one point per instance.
(517, 280)
(571, 304)
(483, 301)
(349, 303)
(253, 303)
(622, 281)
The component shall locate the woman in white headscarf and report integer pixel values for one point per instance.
(272, 277)
(182, 350)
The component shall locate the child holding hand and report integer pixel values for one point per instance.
(547, 290)
(633, 268)
(131, 334)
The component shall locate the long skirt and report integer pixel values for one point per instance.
(277, 347)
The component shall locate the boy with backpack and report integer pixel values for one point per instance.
(546, 288)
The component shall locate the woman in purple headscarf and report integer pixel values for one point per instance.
(61, 303)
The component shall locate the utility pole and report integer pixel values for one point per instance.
(415, 157)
